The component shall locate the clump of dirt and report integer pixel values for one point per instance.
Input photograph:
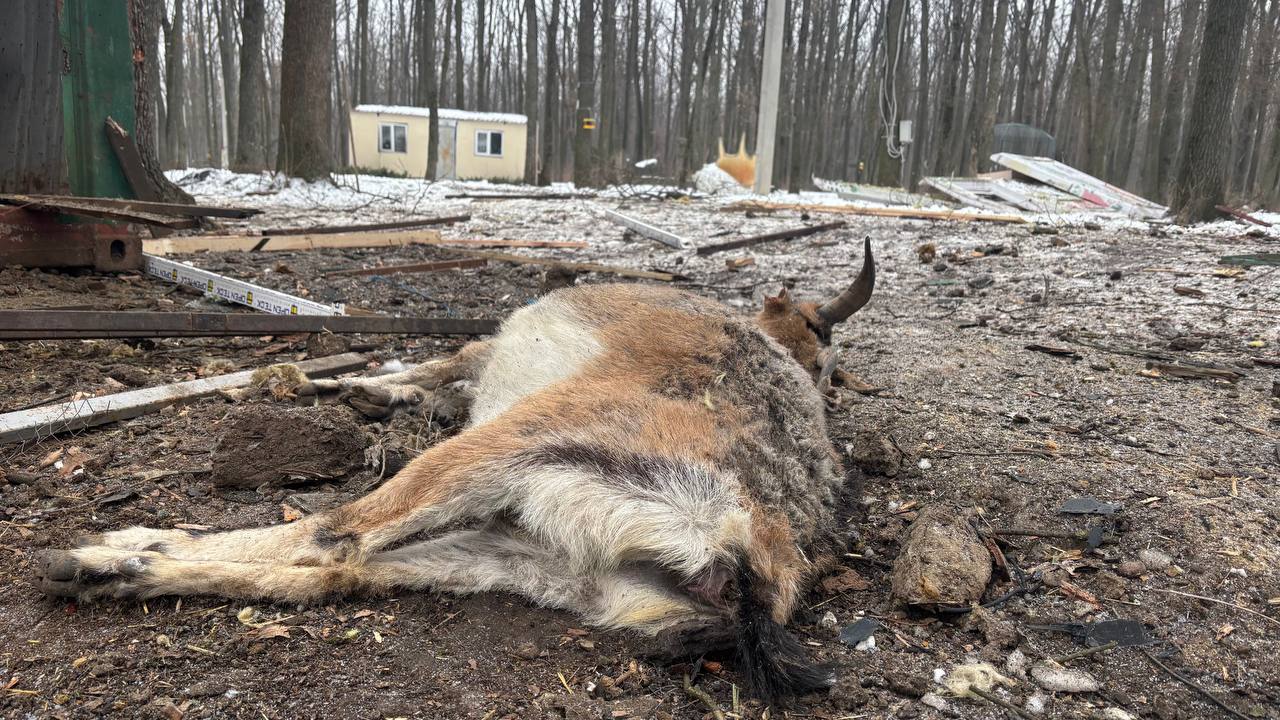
(875, 454)
(271, 444)
(942, 561)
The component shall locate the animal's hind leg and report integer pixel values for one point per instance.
(378, 397)
(464, 561)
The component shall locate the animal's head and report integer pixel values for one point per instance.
(804, 328)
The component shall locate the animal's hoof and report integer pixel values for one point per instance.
(56, 573)
(380, 401)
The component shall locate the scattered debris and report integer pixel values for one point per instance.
(53, 324)
(942, 561)
(1241, 215)
(573, 266)
(265, 443)
(49, 420)
(1194, 372)
(914, 213)
(769, 237)
(424, 267)
(1082, 185)
(874, 453)
(1054, 350)
(845, 581)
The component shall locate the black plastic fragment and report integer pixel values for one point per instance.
(1124, 633)
(855, 633)
(1088, 506)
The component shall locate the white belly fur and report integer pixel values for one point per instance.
(537, 346)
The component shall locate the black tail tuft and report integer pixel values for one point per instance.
(773, 661)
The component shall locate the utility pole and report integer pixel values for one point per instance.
(770, 77)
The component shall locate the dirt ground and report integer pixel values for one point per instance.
(969, 418)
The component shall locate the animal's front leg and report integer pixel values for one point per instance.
(379, 397)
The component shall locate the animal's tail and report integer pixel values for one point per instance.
(774, 662)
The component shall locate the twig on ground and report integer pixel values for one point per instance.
(1264, 616)
(993, 698)
(1193, 685)
(1085, 652)
(700, 694)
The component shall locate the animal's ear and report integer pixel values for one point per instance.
(779, 302)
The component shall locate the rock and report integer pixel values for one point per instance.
(1131, 568)
(204, 689)
(1154, 559)
(934, 701)
(875, 454)
(1016, 664)
(1116, 275)
(941, 561)
(828, 620)
(1059, 679)
(994, 630)
(527, 651)
(1111, 713)
(270, 444)
(1035, 703)
(981, 281)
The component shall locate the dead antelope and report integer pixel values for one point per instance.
(638, 455)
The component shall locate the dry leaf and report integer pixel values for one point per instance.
(290, 514)
(245, 616)
(267, 632)
(361, 614)
(1079, 593)
(50, 459)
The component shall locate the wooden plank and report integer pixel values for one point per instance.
(572, 266)
(769, 237)
(642, 228)
(50, 420)
(401, 225)
(61, 324)
(518, 196)
(1254, 260)
(159, 208)
(253, 243)
(130, 160)
(1241, 215)
(912, 213)
(88, 207)
(412, 267)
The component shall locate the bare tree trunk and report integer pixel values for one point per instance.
(632, 115)
(608, 88)
(1171, 127)
(950, 92)
(981, 77)
(362, 52)
(1149, 177)
(306, 76)
(431, 80)
(175, 131)
(531, 90)
(921, 129)
(1202, 177)
(552, 103)
(459, 88)
(583, 137)
(230, 73)
(986, 120)
(1103, 98)
(144, 24)
(251, 150)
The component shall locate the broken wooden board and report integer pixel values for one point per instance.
(269, 243)
(424, 267)
(130, 160)
(572, 266)
(646, 230)
(1240, 215)
(64, 324)
(910, 213)
(1083, 185)
(158, 208)
(50, 420)
(89, 207)
(400, 225)
(769, 237)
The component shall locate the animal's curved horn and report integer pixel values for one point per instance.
(856, 295)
